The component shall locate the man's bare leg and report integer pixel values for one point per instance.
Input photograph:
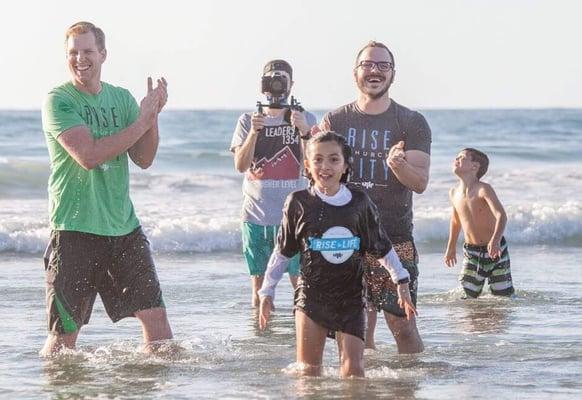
(405, 333)
(371, 328)
(56, 342)
(155, 326)
(257, 282)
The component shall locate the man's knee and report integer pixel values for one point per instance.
(406, 334)
(155, 320)
(402, 327)
(151, 315)
(155, 324)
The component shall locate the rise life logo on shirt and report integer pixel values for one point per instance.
(336, 245)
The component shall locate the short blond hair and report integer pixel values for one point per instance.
(82, 27)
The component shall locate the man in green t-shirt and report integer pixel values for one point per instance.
(96, 244)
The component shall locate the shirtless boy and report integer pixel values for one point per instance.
(479, 213)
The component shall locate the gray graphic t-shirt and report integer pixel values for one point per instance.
(275, 171)
(370, 137)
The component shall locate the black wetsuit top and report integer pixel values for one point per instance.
(332, 241)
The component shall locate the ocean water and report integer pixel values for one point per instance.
(189, 202)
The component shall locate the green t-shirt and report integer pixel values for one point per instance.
(95, 201)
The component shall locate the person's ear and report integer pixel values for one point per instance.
(103, 55)
(393, 75)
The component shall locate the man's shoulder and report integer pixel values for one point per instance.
(405, 112)
(415, 126)
(245, 116)
(243, 125)
(119, 90)
(62, 98)
(343, 110)
(65, 89)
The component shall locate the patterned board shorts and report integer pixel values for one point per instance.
(477, 266)
(381, 290)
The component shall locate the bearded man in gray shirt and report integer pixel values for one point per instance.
(391, 159)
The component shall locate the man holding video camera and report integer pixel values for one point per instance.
(267, 147)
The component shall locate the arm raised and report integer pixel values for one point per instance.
(90, 152)
(410, 167)
(143, 152)
(243, 155)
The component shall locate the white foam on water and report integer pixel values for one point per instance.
(191, 228)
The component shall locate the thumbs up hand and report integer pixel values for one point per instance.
(396, 156)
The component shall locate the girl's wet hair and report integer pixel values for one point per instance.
(341, 142)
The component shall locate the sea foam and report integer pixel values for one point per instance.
(532, 224)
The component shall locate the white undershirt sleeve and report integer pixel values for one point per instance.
(391, 262)
(275, 269)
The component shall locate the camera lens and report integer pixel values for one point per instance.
(277, 86)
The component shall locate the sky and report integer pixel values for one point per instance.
(449, 54)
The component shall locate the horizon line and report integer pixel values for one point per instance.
(458, 108)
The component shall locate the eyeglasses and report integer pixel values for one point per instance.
(380, 65)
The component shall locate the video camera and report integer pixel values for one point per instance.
(277, 85)
(294, 105)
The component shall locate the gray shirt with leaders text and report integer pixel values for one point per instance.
(275, 170)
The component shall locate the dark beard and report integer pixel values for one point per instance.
(381, 93)
(374, 96)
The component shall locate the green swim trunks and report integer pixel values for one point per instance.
(258, 242)
(478, 266)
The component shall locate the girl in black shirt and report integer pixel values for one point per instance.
(333, 227)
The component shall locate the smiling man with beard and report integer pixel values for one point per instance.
(391, 159)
